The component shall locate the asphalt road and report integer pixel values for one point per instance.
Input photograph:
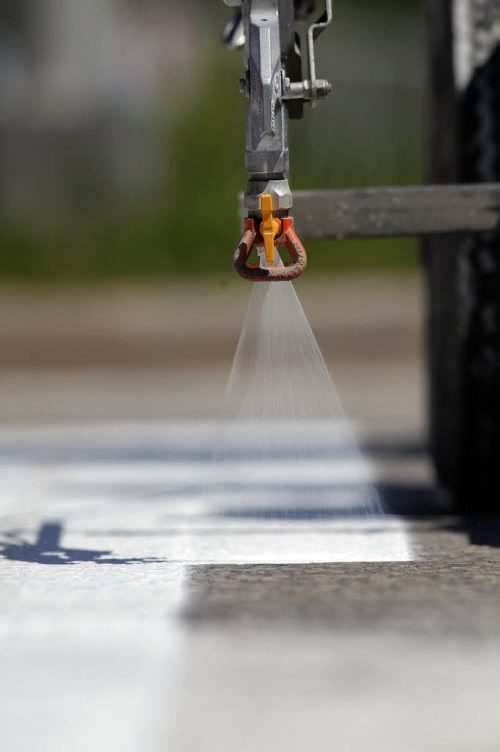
(140, 615)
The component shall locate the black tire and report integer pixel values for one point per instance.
(463, 273)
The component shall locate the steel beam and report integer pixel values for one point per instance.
(389, 212)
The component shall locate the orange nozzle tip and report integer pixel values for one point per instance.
(270, 226)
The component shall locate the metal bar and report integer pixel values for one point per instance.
(390, 212)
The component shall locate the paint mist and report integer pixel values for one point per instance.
(287, 448)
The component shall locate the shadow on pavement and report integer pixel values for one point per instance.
(481, 530)
(47, 549)
(401, 499)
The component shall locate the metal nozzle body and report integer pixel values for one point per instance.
(266, 154)
(276, 91)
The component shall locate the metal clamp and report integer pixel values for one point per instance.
(313, 89)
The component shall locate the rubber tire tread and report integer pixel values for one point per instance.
(463, 280)
(479, 267)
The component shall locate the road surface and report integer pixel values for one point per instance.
(140, 614)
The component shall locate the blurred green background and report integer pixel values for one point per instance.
(122, 135)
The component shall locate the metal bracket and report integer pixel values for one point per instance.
(313, 89)
(392, 212)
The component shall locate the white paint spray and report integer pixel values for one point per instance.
(287, 446)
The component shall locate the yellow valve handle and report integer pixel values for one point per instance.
(270, 226)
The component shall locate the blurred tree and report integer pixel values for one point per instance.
(207, 172)
(367, 133)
